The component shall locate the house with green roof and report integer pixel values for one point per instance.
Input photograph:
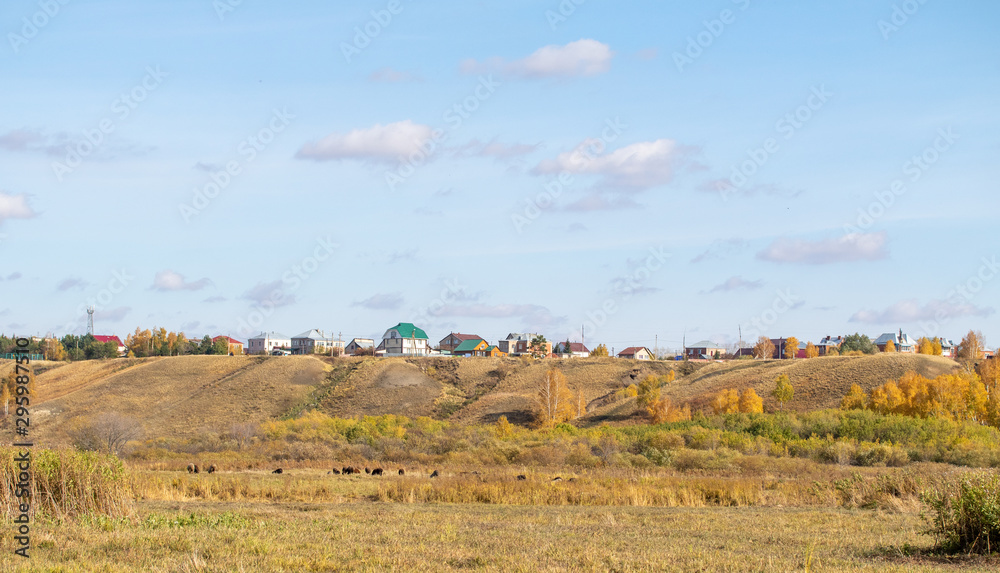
(473, 347)
(404, 339)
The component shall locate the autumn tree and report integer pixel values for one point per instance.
(890, 346)
(555, 402)
(783, 391)
(108, 432)
(811, 350)
(54, 350)
(726, 402)
(971, 347)
(750, 402)
(764, 348)
(791, 347)
(855, 399)
(600, 352)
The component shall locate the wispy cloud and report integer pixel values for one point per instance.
(849, 248)
(636, 166)
(381, 143)
(581, 58)
(71, 283)
(386, 301)
(736, 283)
(270, 294)
(911, 311)
(168, 280)
(112, 314)
(720, 250)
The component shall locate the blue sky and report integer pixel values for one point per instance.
(647, 171)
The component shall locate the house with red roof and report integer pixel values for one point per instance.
(636, 353)
(571, 350)
(454, 339)
(235, 346)
(104, 339)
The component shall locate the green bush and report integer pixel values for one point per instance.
(966, 514)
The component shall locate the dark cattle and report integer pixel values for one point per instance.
(377, 472)
(195, 468)
(402, 472)
(347, 470)
(212, 469)
(190, 468)
(435, 474)
(557, 478)
(277, 471)
(335, 471)
(522, 477)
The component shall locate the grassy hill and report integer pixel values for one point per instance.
(188, 395)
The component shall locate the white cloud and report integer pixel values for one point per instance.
(850, 247)
(170, 281)
(388, 301)
(580, 58)
(911, 311)
(640, 165)
(71, 283)
(113, 314)
(391, 142)
(736, 283)
(15, 207)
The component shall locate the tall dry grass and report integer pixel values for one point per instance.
(69, 483)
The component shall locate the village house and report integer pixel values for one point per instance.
(404, 339)
(315, 342)
(235, 347)
(828, 342)
(571, 350)
(268, 343)
(518, 343)
(118, 341)
(636, 353)
(901, 342)
(472, 347)
(450, 342)
(704, 350)
(358, 344)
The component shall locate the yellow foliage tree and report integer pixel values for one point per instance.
(750, 402)
(783, 391)
(791, 348)
(600, 352)
(726, 402)
(764, 348)
(811, 350)
(855, 399)
(890, 346)
(555, 401)
(971, 347)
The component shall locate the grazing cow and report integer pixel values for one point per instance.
(190, 468)
(402, 472)
(522, 477)
(278, 471)
(435, 474)
(212, 469)
(334, 471)
(557, 478)
(367, 471)
(377, 472)
(195, 468)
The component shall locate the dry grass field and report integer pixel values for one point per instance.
(179, 396)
